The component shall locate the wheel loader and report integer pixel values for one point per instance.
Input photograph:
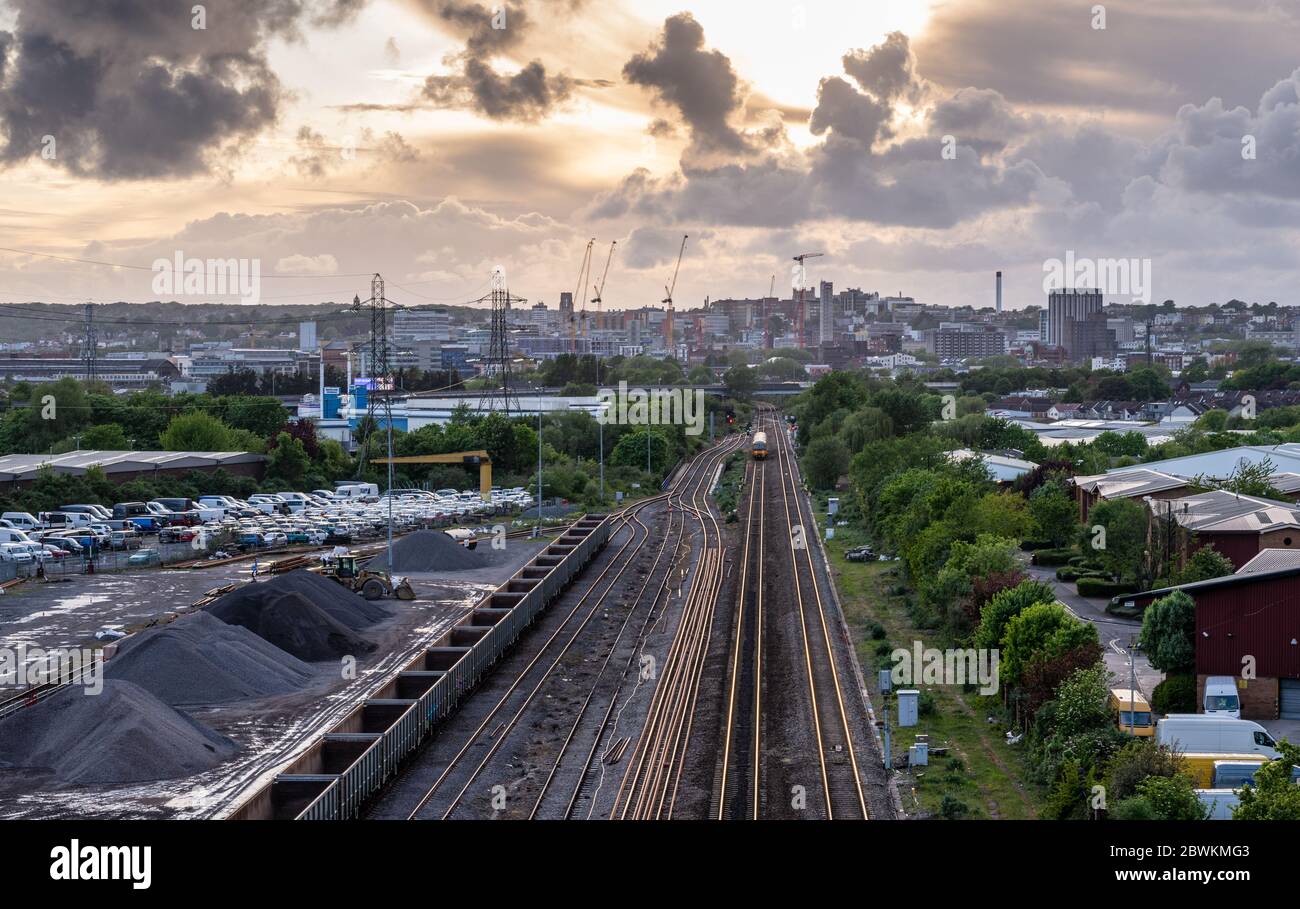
(372, 585)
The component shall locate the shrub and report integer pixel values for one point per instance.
(1176, 694)
(1052, 557)
(1100, 587)
(953, 808)
(925, 703)
(877, 631)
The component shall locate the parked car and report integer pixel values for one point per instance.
(123, 540)
(144, 557)
(16, 553)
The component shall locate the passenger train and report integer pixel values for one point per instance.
(759, 446)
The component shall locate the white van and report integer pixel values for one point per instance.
(21, 520)
(357, 491)
(1221, 697)
(1219, 802)
(296, 501)
(1197, 733)
(66, 520)
(8, 535)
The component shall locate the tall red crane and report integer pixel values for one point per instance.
(801, 279)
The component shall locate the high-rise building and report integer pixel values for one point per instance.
(1075, 321)
(306, 335)
(826, 324)
(977, 343)
(421, 325)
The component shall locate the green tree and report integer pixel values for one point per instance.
(1039, 633)
(870, 424)
(1121, 548)
(740, 381)
(631, 451)
(1136, 761)
(1006, 605)
(1163, 798)
(288, 460)
(1056, 517)
(1206, 563)
(826, 460)
(105, 437)
(195, 431)
(1168, 626)
(1273, 796)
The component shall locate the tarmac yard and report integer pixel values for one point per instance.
(264, 732)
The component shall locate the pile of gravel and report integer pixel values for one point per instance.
(122, 735)
(310, 617)
(199, 659)
(432, 551)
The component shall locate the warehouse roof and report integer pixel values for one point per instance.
(1272, 560)
(76, 463)
(1131, 483)
(1004, 469)
(1222, 463)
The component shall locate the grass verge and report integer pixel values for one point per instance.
(980, 776)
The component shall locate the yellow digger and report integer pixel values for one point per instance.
(372, 585)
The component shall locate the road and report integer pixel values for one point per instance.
(1115, 632)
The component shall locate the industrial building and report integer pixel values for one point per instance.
(121, 466)
(1247, 622)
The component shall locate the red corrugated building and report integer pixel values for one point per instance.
(1256, 615)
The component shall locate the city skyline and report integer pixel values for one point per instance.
(436, 146)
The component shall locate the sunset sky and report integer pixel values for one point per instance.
(332, 138)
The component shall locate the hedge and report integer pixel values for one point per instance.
(1100, 587)
(1073, 573)
(1050, 557)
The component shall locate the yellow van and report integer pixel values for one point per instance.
(1200, 765)
(1132, 712)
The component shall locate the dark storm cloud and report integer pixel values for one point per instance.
(528, 95)
(847, 111)
(884, 75)
(852, 174)
(474, 83)
(700, 84)
(131, 90)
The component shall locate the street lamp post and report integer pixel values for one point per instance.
(537, 531)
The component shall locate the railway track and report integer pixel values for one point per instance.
(563, 669)
(737, 796)
(651, 781)
(787, 738)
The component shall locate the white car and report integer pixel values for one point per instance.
(18, 553)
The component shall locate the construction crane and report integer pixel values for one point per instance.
(584, 272)
(600, 288)
(801, 278)
(668, 300)
(480, 459)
